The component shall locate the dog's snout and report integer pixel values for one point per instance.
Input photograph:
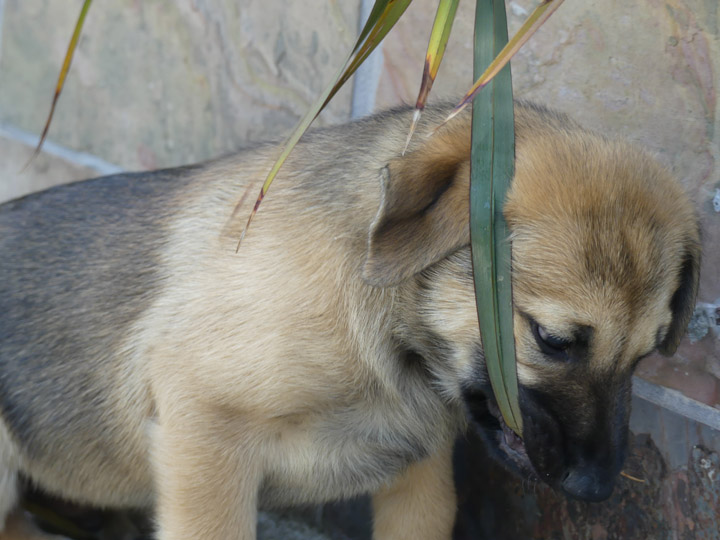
(588, 484)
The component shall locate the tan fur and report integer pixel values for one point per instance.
(329, 356)
(556, 221)
(419, 504)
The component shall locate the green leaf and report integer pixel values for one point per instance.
(383, 17)
(492, 164)
(439, 35)
(63, 74)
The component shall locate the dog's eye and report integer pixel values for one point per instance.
(549, 344)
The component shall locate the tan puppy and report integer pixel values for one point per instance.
(143, 363)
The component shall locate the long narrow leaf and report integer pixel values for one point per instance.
(444, 18)
(492, 162)
(536, 19)
(383, 17)
(63, 74)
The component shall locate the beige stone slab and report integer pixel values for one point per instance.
(645, 70)
(43, 172)
(161, 83)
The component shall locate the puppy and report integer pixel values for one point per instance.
(144, 363)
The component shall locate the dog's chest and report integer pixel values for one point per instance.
(353, 449)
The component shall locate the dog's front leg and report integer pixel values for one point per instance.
(420, 504)
(207, 473)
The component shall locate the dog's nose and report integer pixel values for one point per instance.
(588, 484)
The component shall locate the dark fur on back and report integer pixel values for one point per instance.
(70, 255)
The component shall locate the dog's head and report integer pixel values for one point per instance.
(606, 256)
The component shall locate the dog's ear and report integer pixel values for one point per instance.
(423, 212)
(682, 303)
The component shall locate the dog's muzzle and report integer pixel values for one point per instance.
(583, 467)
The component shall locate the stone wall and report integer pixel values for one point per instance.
(157, 84)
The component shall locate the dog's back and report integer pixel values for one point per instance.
(73, 254)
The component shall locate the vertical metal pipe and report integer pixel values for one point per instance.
(367, 77)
